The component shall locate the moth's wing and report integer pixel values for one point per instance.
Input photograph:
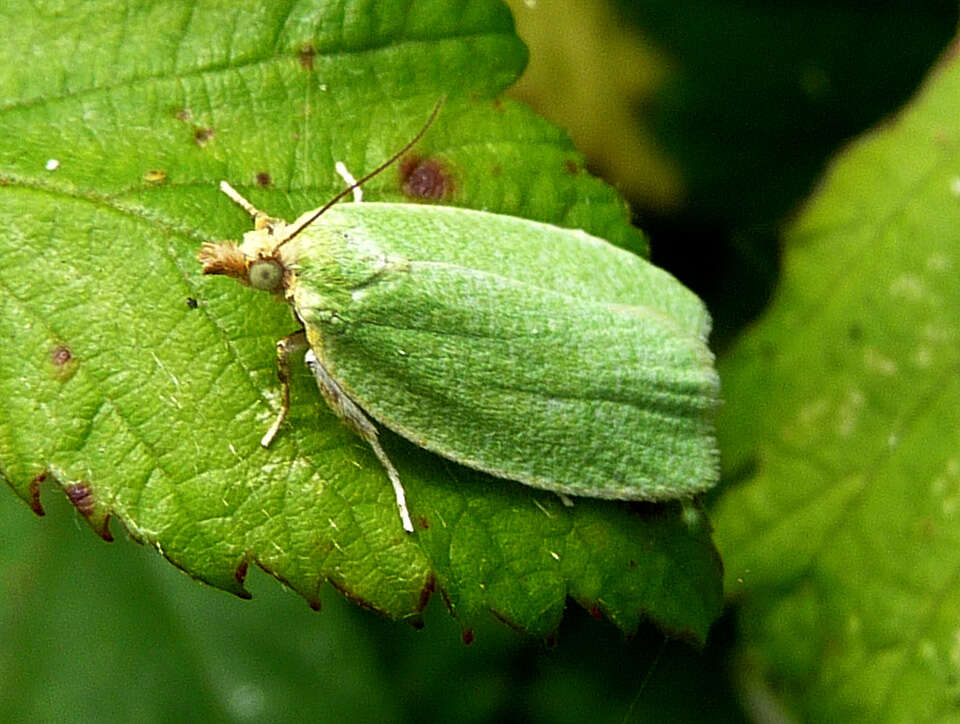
(557, 391)
(567, 261)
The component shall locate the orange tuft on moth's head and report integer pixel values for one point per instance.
(265, 272)
(224, 257)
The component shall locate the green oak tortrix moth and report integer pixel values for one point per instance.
(532, 352)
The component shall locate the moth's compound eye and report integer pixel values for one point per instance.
(265, 274)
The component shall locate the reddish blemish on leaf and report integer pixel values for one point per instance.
(35, 505)
(596, 613)
(241, 573)
(426, 593)
(446, 601)
(425, 179)
(202, 136)
(424, 523)
(63, 363)
(263, 179)
(82, 498)
(467, 636)
(306, 56)
(104, 530)
(60, 355)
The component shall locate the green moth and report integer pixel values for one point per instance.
(534, 353)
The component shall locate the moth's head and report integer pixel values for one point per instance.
(253, 263)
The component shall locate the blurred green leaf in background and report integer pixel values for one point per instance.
(841, 538)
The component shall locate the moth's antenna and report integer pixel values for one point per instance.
(386, 164)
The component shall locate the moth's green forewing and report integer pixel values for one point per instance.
(534, 353)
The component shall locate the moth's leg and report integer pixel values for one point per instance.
(260, 219)
(351, 181)
(285, 347)
(348, 411)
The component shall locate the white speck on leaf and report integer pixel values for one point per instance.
(910, 287)
(848, 412)
(52, 164)
(922, 357)
(874, 361)
(938, 262)
(246, 702)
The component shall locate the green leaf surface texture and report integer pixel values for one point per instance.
(842, 417)
(143, 389)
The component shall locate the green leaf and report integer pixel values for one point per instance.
(143, 389)
(842, 418)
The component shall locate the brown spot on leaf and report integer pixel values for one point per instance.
(632, 563)
(202, 136)
(446, 600)
(426, 179)
(425, 594)
(183, 114)
(82, 498)
(104, 530)
(192, 303)
(467, 636)
(34, 488)
(60, 355)
(424, 523)
(155, 176)
(263, 179)
(241, 573)
(496, 170)
(63, 364)
(571, 167)
(306, 55)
